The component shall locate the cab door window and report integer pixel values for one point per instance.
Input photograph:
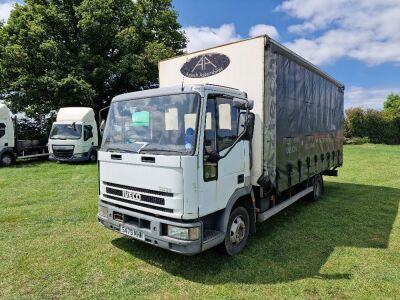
(210, 167)
(228, 120)
(221, 131)
(2, 130)
(87, 132)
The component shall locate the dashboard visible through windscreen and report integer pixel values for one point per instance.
(164, 124)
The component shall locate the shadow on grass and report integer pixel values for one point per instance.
(292, 245)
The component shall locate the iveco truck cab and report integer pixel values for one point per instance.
(74, 135)
(233, 135)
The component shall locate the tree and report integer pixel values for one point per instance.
(56, 53)
(392, 104)
(354, 124)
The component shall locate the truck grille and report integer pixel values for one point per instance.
(145, 198)
(63, 152)
(136, 189)
(122, 200)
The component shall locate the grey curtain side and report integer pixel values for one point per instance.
(303, 121)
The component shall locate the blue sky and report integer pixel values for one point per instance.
(356, 41)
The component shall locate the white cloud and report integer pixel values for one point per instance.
(365, 30)
(5, 10)
(367, 97)
(261, 29)
(205, 37)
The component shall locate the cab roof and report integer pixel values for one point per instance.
(4, 112)
(190, 88)
(75, 114)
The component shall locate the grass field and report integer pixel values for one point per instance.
(347, 245)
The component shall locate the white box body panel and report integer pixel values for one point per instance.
(244, 72)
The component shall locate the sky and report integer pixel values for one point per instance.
(355, 41)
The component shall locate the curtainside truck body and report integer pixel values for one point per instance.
(74, 135)
(233, 135)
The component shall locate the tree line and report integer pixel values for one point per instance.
(369, 125)
(59, 53)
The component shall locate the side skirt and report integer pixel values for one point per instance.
(270, 212)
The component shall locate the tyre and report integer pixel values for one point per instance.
(237, 232)
(7, 159)
(93, 156)
(318, 185)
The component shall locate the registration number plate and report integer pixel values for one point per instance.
(132, 233)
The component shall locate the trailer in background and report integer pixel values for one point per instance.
(11, 148)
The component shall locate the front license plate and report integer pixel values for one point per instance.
(132, 233)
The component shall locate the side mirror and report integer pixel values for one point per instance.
(248, 126)
(243, 103)
(103, 114)
(102, 127)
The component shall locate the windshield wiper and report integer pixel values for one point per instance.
(147, 150)
(120, 150)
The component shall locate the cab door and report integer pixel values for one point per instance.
(219, 178)
(88, 141)
(6, 133)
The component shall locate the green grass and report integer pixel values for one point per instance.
(347, 245)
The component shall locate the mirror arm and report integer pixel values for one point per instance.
(239, 137)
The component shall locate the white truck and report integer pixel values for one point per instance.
(74, 136)
(10, 147)
(233, 135)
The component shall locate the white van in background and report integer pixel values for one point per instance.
(74, 135)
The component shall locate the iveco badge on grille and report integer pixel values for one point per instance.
(132, 195)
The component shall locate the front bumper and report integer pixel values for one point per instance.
(83, 158)
(152, 228)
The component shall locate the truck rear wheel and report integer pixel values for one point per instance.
(237, 232)
(318, 185)
(7, 159)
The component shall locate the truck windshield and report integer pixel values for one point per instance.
(66, 132)
(164, 124)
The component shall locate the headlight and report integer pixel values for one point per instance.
(103, 211)
(181, 233)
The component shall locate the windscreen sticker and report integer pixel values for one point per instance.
(141, 118)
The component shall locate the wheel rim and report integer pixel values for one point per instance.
(238, 230)
(93, 157)
(7, 160)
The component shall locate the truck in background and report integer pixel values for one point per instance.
(10, 147)
(74, 136)
(233, 135)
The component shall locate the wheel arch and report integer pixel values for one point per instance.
(241, 197)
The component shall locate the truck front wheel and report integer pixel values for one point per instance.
(93, 156)
(7, 159)
(237, 232)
